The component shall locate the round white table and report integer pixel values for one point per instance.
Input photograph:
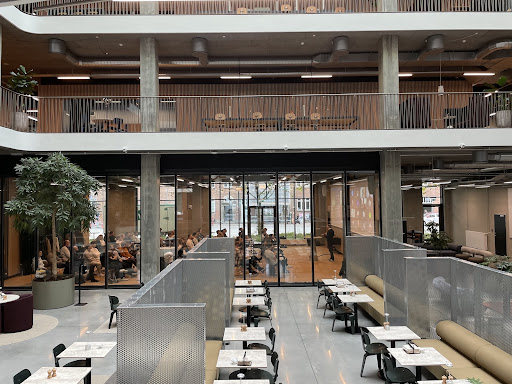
(9, 298)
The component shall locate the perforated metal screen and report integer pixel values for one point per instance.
(476, 297)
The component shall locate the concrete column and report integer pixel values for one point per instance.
(391, 195)
(389, 117)
(387, 5)
(150, 163)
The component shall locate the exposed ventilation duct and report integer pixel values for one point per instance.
(498, 46)
(339, 49)
(434, 46)
(200, 49)
(480, 156)
(437, 164)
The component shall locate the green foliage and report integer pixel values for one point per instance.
(472, 380)
(52, 193)
(502, 263)
(439, 240)
(503, 99)
(22, 81)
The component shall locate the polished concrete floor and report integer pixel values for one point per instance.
(309, 352)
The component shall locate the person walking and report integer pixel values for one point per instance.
(329, 235)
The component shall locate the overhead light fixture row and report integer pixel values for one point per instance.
(317, 76)
(236, 77)
(478, 74)
(78, 77)
(405, 75)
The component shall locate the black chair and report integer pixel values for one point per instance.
(260, 374)
(371, 349)
(21, 376)
(396, 375)
(114, 303)
(329, 297)
(321, 291)
(342, 312)
(261, 313)
(272, 336)
(58, 350)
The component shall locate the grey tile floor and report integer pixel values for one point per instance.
(309, 352)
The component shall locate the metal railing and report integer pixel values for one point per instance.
(267, 113)
(225, 7)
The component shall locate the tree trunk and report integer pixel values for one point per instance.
(54, 245)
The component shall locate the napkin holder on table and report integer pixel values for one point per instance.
(248, 301)
(244, 363)
(249, 282)
(250, 290)
(411, 349)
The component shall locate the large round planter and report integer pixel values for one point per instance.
(504, 119)
(51, 294)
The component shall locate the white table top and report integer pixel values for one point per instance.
(65, 375)
(241, 300)
(98, 350)
(428, 356)
(243, 291)
(396, 332)
(8, 299)
(242, 382)
(229, 358)
(345, 288)
(334, 282)
(355, 299)
(252, 334)
(245, 283)
(440, 382)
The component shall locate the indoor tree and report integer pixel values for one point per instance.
(52, 193)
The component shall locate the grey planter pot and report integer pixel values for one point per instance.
(504, 119)
(53, 294)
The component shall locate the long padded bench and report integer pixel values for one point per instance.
(470, 355)
(374, 289)
(212, 349)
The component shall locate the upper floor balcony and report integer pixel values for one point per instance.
(260, 113)
(243, 7)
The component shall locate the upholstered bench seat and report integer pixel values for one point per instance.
(212, 349)
(374, 289)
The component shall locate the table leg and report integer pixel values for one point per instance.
(418, 373)
(88, 378)
(244, 344)
(356, 322)
(249, 316)
(393, 343)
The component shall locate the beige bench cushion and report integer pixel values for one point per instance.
(496, 361)
(477, 373)
(212, 349)
(375, 283)
(458, 360)
(375, 308)
(211, 376)
(461, 339)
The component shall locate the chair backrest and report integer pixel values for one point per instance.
(387, 363)
(311, 9)
(273, 340)
(113, 301)
(274, 358)
(241, 11)
(276, 367)
(220, 117)
(57, 351)
(290, 116)
(364, 337)
(21, 376)
(257, 116)
(286, 8)
(271, 333)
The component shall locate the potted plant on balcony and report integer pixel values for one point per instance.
(503, 111)
(21, 82)
(52, 193)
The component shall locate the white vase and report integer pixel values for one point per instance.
(504, 119)
(21, 121)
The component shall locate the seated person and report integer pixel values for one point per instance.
(181, 248)
(64, 256)
(271, 259)
(114, 263)
(190, 242)
(92, 256)
(200, 236)
(253, 265)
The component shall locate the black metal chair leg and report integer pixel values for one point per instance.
(379, 364)
(333, 320)
(364, 362)
(111, 317)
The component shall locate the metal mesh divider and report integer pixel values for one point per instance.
(394, 277)
(476, 297)
(360, 257)
(204, 282)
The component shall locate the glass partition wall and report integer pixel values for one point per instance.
(281, 224)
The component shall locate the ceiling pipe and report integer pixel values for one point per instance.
(200, 50)
(339, 49)
(434, 46)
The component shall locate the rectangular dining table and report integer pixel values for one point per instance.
(343, 288)
(228, 358)
(335, 282)
(251, 334)
(88, 351)
(427, 357)
(395, 333)
(245, 283)
(239, 301)
(265, 381)
(250, 291)
(355, 299)
(64, 375)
